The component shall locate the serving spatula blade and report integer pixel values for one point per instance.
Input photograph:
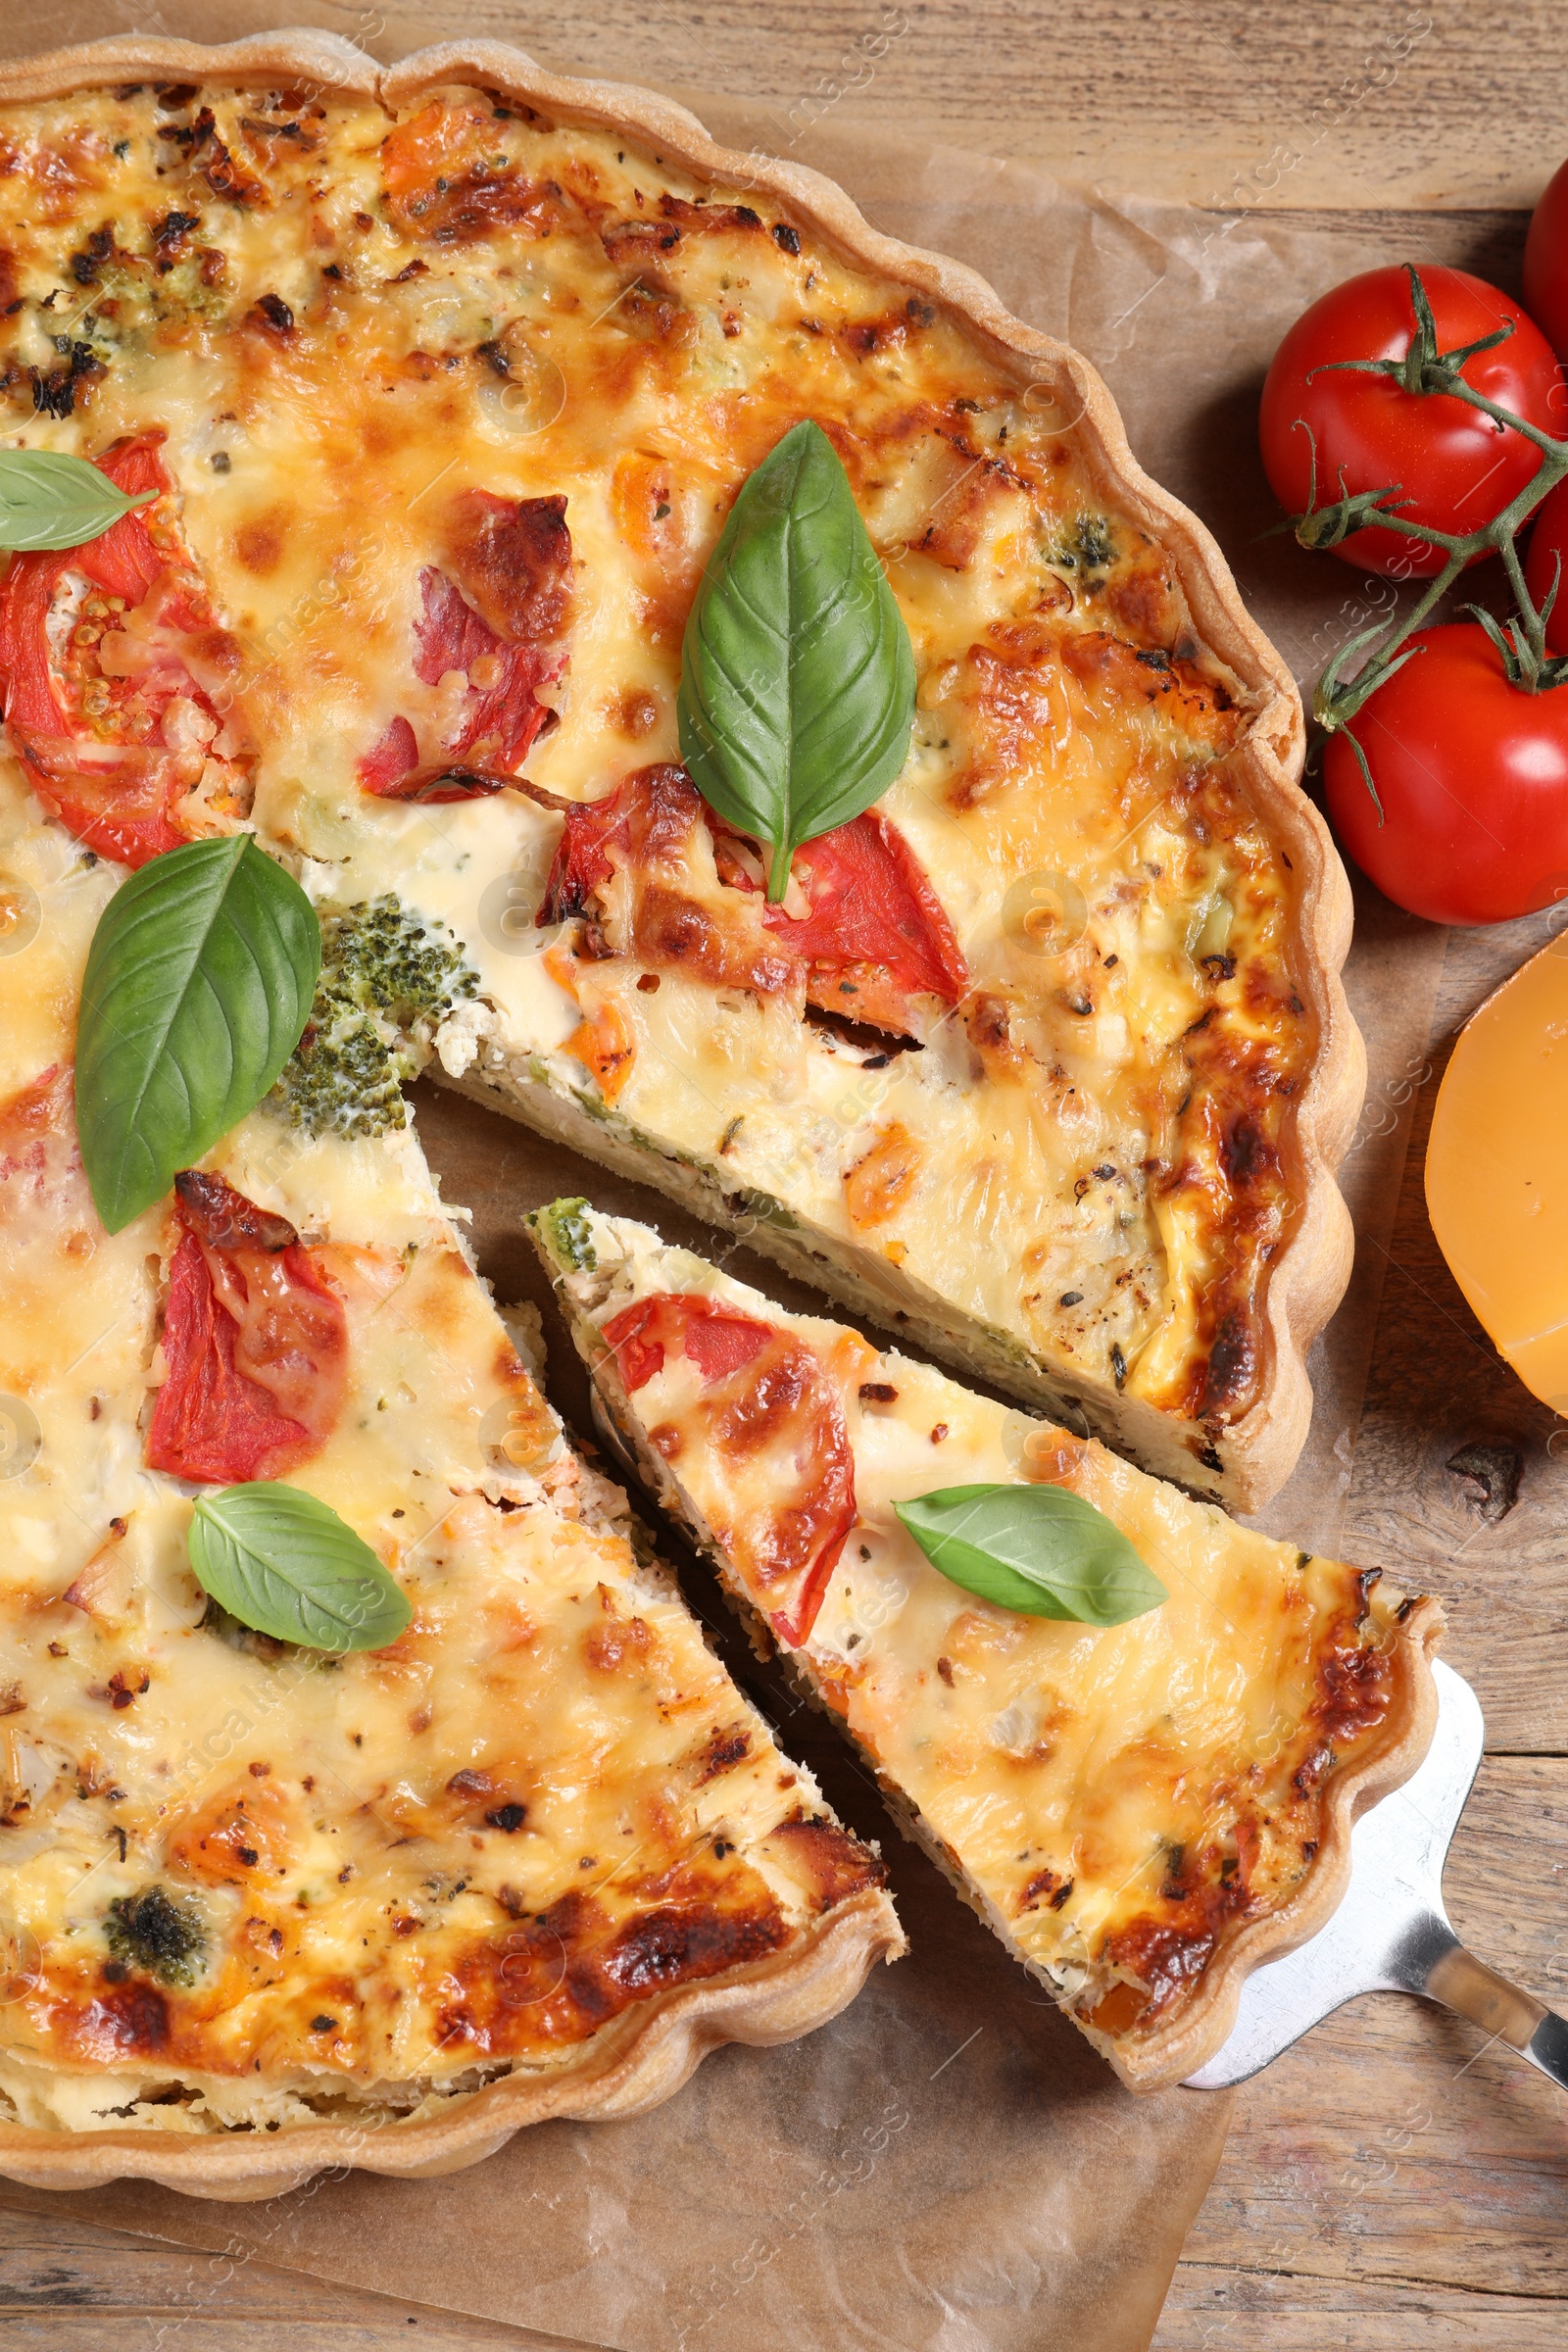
(1391, 1933)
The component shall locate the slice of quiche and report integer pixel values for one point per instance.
(1141, 1811)
(448, 379)
(266, 1907)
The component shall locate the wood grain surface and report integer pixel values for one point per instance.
(1393, 2182)
(1451, 103)
(65, 2286)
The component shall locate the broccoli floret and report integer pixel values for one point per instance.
(1089, 545)
(163, 1939)
(388, 976)
(571, 1236)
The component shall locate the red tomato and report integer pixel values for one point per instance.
(256, 1342)
(1473, 777)
(875, 944)
(718, 1339)
(514, 559)
(1548, 553)
(771, 1418)
(1547, 263)
(119, 731)
(1457, 469)
(876, 934)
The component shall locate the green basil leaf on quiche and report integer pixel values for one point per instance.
(285, 1564)
(49, 499)
(1042, 1550)
(199, 983)
(797, 685)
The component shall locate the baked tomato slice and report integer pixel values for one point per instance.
(640, 864)
(487, 636)
(755, 1430)
(875, 939)
(255, 1339)
(867, 936)
(113, 667)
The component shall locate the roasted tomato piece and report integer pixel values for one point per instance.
(673, 912)
(875, 944)
(876, 941)
(594, 833)
(716, 1339)
(255, 1339)
(40, 1165)
(511, 558)
(114, 717)
(646, 821)
(488, 635)
(769, 1463)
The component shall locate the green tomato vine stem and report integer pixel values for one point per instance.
(1385, 646)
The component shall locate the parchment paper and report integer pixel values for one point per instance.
(947, 2168)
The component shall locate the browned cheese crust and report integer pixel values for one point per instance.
(1104, 1181)
(1142, 1812)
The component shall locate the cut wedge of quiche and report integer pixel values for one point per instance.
(448, 379)
(266, 1907)
(1142, 1810)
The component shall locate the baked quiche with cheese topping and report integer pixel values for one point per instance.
(1141, 1810)
(425, 413)
(446, 380)
(265, 1907)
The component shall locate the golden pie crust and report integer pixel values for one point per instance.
(648, 2053)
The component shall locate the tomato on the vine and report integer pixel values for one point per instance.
(1472, 773)
(1547, 263)
(1457, 469)
(1546, 559)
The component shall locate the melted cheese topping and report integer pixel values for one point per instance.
(340, 332)
(1121, 1801)
(372, 1878)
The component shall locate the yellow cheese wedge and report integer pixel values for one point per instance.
(1497, 1170)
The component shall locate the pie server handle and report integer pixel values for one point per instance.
(1430, 1960)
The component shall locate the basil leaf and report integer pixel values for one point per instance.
(49, 499)
(288, 1565)
(797, 680)
(199, 982)
(1042, 1550)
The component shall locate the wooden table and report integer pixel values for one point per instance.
(1392, 2181)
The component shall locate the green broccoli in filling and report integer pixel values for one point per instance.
(569, 1234)
(163, 1939)
(1087, 544)
(388, 977)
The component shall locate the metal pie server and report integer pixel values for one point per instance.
(1390, 1932)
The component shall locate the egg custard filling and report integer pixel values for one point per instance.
(443, 405)
(1139, 1809)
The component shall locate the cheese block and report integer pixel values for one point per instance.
(1497, 1170)
(1142, 1812)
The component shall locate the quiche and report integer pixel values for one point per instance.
(264, 1907)
(1140, 1811)
(447, 378)
(425, 399)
